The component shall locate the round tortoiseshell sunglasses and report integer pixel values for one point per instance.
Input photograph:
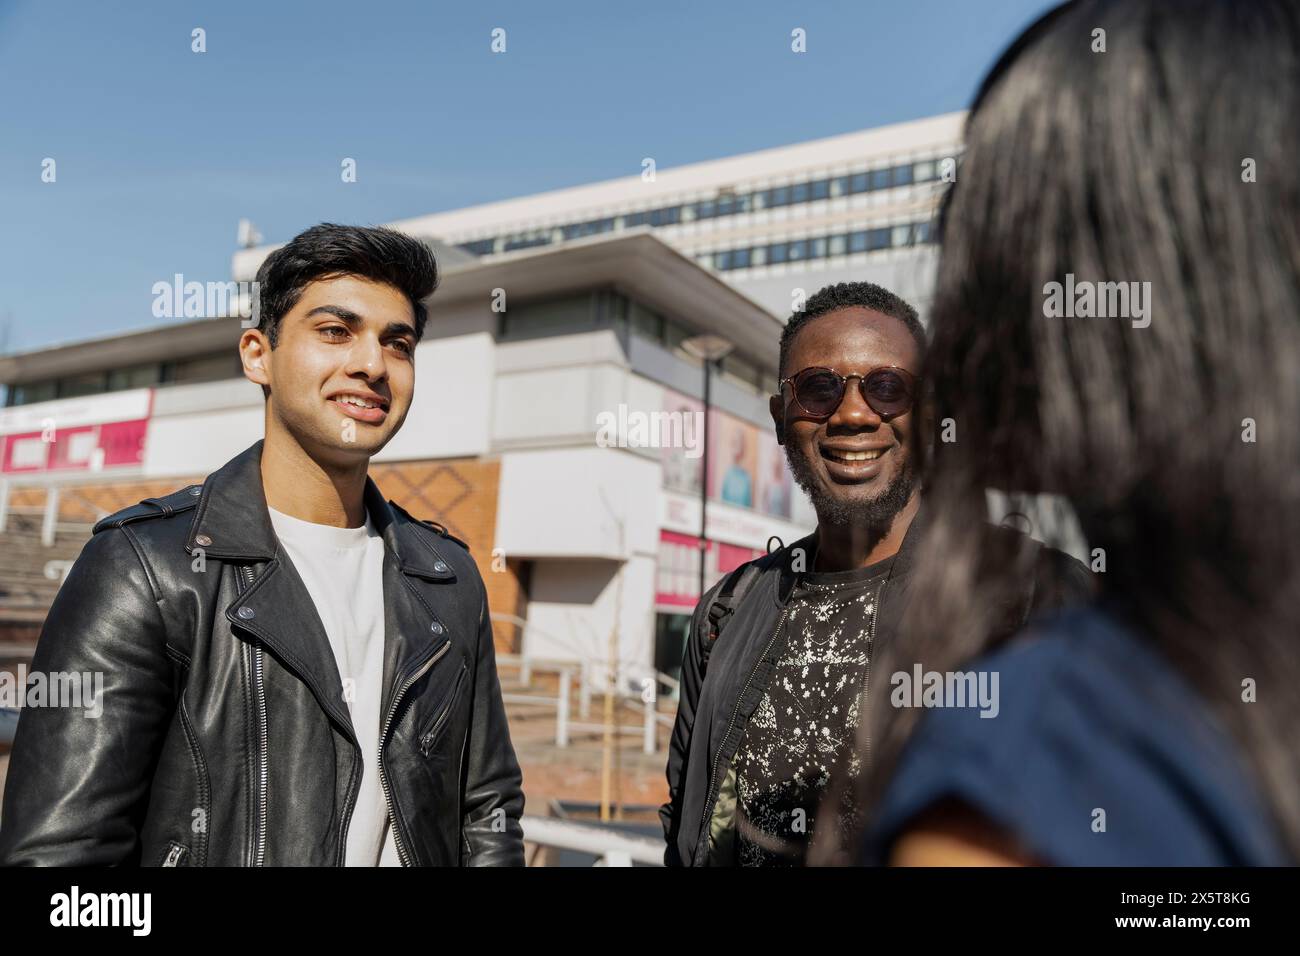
(818, 391)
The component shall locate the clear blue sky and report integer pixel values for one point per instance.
(160, 150)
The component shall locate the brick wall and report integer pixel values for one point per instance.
(461, 495)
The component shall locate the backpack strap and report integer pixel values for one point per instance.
(733, 590)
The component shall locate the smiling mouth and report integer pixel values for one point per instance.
(851, 457)
(358, 402)
(367, 410)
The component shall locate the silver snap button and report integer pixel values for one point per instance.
(245, 613)
(440, 566)
(195, 492)
(437, 627)
(202, 540)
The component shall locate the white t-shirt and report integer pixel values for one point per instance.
(343, 569)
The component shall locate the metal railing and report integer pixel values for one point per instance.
(584, 666)
(560, 702)
(51, 525)
(610, 848)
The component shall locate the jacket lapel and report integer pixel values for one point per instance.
(232, 523)
(278, 610)
(413, 628)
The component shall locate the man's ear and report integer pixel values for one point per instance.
(776, 405)
(254, 352)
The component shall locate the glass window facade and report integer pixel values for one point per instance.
(725, 204)
(210, 367)
(821, 247)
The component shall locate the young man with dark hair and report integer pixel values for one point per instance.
(296, 671)
(769, 709)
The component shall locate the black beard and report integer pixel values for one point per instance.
(877, 512)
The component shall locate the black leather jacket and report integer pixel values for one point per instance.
(224, 738)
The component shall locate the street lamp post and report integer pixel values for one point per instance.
(710, 350)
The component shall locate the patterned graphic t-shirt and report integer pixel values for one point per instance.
(805, 728)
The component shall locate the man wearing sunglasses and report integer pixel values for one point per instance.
(768, 712)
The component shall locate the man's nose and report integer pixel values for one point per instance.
(366, 357)
(853, 410)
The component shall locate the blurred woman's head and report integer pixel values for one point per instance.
(1136, 142)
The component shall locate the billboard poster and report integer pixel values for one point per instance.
(747, 468)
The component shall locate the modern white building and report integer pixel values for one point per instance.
(856, 207)
(551, 375)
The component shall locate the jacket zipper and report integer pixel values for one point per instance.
(174, 855)
(717, 758)
(866, 684)
(426, 739)
(383, 736)
(259, 691)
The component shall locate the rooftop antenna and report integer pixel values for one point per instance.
(249, 237)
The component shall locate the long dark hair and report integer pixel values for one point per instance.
(1169, 158)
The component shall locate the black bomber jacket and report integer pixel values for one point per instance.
(717, 701)
(224, 738)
